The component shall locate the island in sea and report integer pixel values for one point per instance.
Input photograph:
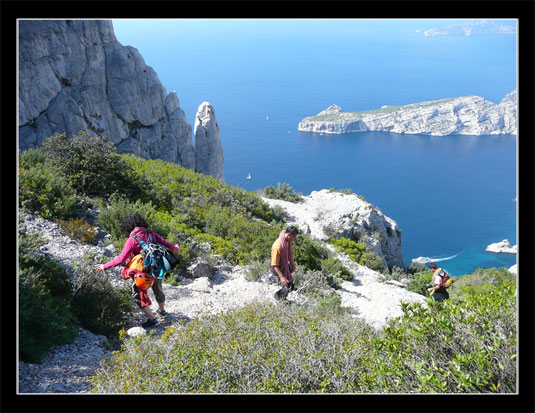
(468, 115)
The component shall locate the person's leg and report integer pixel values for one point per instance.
(157, 289)
(142, 300)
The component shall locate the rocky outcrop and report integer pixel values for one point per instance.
(469, 115)
(75, 76)
(502, 247)
(324, 214)
(208, 150)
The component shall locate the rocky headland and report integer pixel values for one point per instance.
(502, 247)
(468, 115)
(75, 76)
(325, 213)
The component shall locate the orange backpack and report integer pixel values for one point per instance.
(135, 269)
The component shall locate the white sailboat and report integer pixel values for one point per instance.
(248, 176)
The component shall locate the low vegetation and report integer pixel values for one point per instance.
(265, 348)
(243, 350)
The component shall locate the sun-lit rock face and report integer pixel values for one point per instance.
(469, 115)
(75, 76)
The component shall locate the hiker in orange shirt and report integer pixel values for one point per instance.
(282, 261)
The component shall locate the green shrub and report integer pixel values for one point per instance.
(256, 269)
(419, 282)
(44, 322)
(333, 266)
(43, 190)
(100, 307)
(481, 281)
(354, 250)
(309, 253)
(284, 192)
(118, 209)
(448, 348)
(45, 315)
(319, 287)
(90, 163)
(260, 348)
(372, 261)
(357, 252)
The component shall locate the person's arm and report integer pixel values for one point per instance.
(436, 285)
(125, 253)
(160, 240)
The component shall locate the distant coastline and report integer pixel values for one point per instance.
(468, 115)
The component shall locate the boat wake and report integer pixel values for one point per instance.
(425, 260)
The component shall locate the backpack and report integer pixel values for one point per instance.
(446, 281)
(157, 259)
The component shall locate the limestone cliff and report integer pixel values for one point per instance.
(469, 115)
(208, 150)
(323, 214)
(74, 75)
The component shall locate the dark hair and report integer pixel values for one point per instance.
(292, 230)
(433, 266)
(132, 221)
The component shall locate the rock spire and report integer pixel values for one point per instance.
(208, 150)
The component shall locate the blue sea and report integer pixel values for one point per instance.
(449, 195)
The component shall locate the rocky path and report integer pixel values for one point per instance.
(68, 369)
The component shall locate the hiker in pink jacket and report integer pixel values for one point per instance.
(136, 225)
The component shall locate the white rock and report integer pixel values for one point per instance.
(502, 247)
(136, 331)
(344, 215)
(513, 269)
(468, 115)
(209, 156)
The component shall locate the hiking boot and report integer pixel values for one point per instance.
(163, 313)
(149, 323)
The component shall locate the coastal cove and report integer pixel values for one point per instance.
(449, 195)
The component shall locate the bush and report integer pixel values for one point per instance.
(43, 190)
(357, 252)
(100, 307)
(284, 192)
(256, 269)
(44, 322)
(45, 315)
(419, 282)
(90, 163)
(334, 266)
(260, 348)
(319, 287)
(448, 348)
(481, 281)
(352, 249)
(372, 261)
(79, 229)
(119, 208)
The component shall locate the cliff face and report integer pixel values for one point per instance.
(324, 213)
(74, 75)
(469, 115)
